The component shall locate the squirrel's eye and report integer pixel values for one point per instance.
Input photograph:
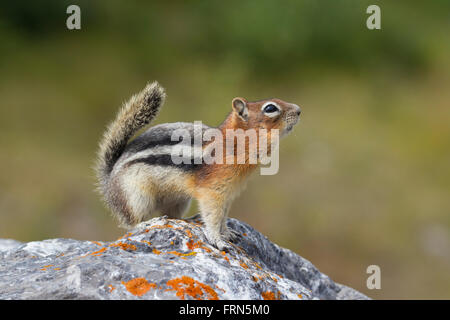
(270, 108)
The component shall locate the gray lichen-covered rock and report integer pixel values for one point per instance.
(162, 259)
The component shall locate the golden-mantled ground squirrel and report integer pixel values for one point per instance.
(139, 178)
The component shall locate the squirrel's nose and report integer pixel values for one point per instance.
(298, 110)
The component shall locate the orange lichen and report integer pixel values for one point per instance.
(300, 296)
(96, 253)
(147, 242)
(244, 234)
(171, 243)
(218, 288)
(188, 286)
(225, 256)
(257, 277)
(268, 295)
(193, 245)
(257, 265)
(164, 226)
(243, 265)
(56, 268)
(45, 267)
(138, 286)
(111, 288)
(97, 243)
(180, 254)
(156, 251)
(188, 232)
(196, 224)
(124, 246)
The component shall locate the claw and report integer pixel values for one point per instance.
(218, 241)
(223, 246)
(231, 235)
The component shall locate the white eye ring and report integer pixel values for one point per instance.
(271, 114)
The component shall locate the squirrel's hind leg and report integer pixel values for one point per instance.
(139, 193)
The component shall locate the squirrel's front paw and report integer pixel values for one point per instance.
(231, 235)
(218, 242)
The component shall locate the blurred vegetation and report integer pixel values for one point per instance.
(364, 178)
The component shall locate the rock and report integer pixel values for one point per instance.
(162, 259)
(8, 244)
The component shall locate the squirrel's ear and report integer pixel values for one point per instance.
(240, 107)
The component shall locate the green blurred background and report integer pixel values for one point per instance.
(364, 178)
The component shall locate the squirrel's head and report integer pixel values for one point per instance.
(268, 114)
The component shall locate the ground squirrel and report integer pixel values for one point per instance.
(139, 177)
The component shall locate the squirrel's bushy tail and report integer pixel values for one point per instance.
(140, 109)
